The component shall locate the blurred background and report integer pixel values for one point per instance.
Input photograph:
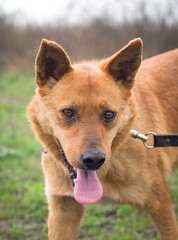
(86, 30)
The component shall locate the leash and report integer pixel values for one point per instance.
(159, 140)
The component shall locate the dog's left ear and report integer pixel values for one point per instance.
(123, 65)
(51, 64)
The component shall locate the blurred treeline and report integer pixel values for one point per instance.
(100, 37)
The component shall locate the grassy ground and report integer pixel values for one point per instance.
(23, 209)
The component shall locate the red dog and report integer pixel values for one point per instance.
(82, 115)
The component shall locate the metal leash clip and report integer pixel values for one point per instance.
(143, 137)
(159, 140)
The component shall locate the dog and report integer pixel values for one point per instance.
(82, 115)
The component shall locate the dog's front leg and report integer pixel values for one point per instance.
(64, 218)
(162, 213)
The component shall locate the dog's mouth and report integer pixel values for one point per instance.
(87, 187)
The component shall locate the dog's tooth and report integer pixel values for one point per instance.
(75, 180)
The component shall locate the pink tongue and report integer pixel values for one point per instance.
(88, 189)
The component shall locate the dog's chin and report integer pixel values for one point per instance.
(87, 189)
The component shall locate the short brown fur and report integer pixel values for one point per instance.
(131, 173)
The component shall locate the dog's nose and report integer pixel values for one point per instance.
(93, 160)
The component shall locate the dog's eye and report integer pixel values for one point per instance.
(109, 116)
(68, 113)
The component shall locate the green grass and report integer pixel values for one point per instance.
(23, 208)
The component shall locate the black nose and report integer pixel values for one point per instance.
(93, 160)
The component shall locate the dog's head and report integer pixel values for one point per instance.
(88, 106)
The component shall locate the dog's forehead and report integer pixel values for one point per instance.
(87, 66)
(90, 77)
(86, 85)
(87, 72)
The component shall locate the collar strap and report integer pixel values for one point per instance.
(72, 172)
(43, 150)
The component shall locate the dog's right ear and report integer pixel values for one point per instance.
(51, 64)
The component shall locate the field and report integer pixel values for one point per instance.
(23, 208)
